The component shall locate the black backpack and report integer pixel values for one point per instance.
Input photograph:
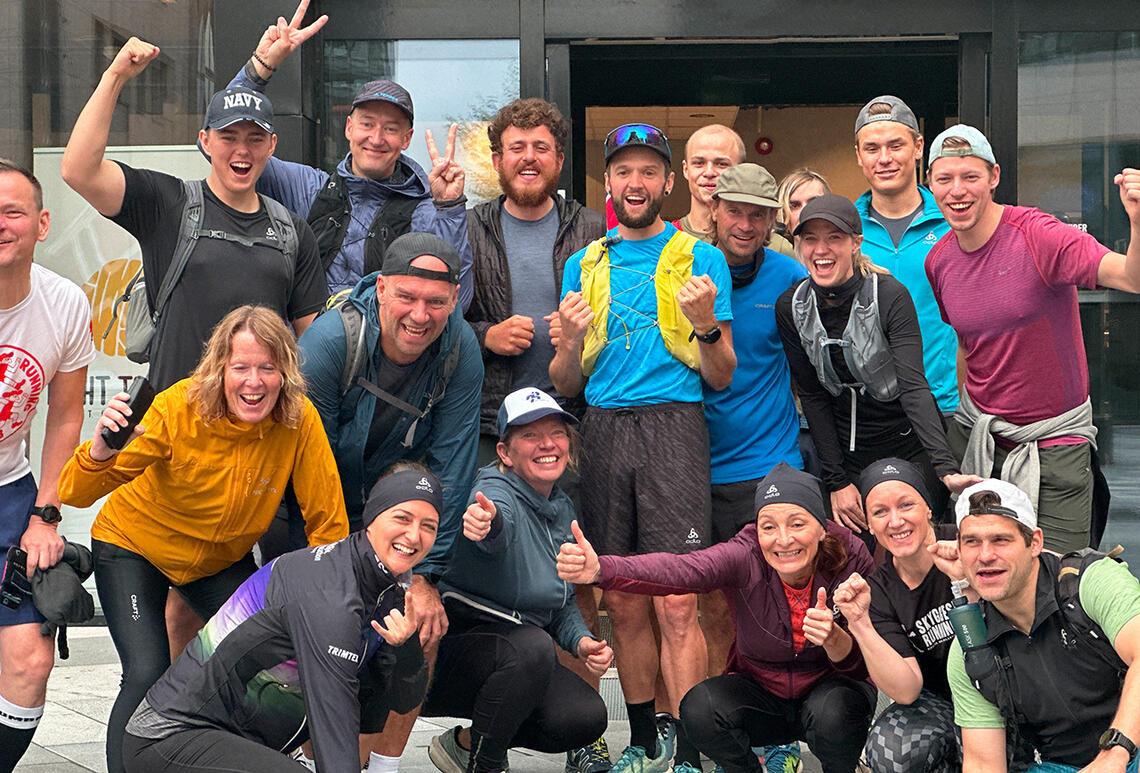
(331, 212)
(142, 319)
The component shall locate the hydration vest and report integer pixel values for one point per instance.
(674, 269)
(331, 212)
(864, 344)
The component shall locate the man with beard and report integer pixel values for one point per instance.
(659, 301)
(520, 243)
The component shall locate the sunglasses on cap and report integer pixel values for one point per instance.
(632, 134)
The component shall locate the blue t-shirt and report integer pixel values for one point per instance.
(635, 368)
(753, 424)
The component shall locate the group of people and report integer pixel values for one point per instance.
(400, 445)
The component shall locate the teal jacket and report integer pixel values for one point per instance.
(511, 571)
(446, 440)
(907, 264)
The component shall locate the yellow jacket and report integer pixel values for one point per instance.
(192, 498)
(674, 269)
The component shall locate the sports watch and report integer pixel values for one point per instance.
(710, 337)
(48, 513)
(1113, 737)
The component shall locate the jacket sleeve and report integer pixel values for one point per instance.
(567, 628)
(449, 224)
(294, 185)
(316, 483)
(453, 443)
(323, 352)
(661, 574)
(817, 402)
(318, 626)
(905, 341)
(476, 313)
(83, 480)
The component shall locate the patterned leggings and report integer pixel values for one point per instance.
(918, 738)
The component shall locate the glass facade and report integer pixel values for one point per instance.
(1078, 126)
(451, 81)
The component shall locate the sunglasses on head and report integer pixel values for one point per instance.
(637, 134)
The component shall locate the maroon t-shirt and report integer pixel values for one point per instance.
(1013, 304)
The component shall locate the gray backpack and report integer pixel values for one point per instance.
(142, 320)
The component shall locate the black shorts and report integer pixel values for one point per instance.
(733, 508)
(645, 479)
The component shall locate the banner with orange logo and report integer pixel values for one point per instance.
(100, 257)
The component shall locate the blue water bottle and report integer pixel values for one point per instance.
(966, 619)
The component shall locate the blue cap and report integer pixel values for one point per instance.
(979, 145)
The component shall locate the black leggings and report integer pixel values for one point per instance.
(727, 715)
(506, 678)
(133, 595)
(197, 749)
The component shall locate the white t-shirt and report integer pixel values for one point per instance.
(48, 332)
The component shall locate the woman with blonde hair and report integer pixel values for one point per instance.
(797, 189)
(851, 334)
(197, 483)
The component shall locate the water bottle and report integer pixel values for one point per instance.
(966, 619)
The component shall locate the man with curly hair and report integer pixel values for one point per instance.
(520, 243)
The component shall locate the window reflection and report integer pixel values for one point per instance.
(451, 81)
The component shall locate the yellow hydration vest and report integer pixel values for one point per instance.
(674, 269)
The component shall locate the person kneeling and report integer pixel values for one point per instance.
(507, 608)
(793, 672)
(284, 658)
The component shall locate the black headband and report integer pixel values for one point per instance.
(403, 486)
(785, 484)
(892, 468)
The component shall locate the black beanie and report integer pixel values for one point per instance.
(893, 468)
(794, 487)
(403, 486)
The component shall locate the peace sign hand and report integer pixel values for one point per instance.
(446, 176)
(281, 39)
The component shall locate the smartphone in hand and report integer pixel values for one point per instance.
(141, 396)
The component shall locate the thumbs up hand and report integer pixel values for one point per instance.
(818, 621)
(577, 562)
(478, 517)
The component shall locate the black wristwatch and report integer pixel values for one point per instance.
(48, 513)
(1113, 737)
(710, 337)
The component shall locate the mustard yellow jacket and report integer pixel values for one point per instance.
(192, 497)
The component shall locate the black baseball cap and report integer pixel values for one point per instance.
(386, 91)
(401, 252)
(633, 134)
(834, 209)
(238, 104)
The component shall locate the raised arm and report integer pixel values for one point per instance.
(95, 178)
(279, 40)
(574, 317)
(1123, 271)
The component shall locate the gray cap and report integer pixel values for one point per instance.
(899, 113)
(747, 183)
(401, 252)
(979, 145)
(386, 91)
(1012, 503)
(238, 104)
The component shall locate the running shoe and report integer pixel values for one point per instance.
(633, 759)
(446, 753)
(685, 767)
(782, 759)
(308, 762)
(594, 758)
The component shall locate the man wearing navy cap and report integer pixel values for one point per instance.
(237, 257)
(377, 192)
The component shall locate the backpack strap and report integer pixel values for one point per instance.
(329, 216)
(188, 233)
(393, 218)
(1077, 620)
(353, 322)
(286, 233)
